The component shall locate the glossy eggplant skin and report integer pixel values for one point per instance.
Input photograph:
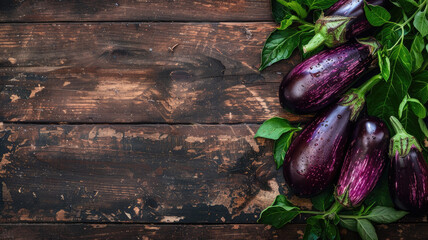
(315, 156)
(408, 179)
(321, 79)
(363, 163)
(354, 9)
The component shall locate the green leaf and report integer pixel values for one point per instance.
(423, 127)
(276, 216)
(280, 45)
(324, 200)
(282, 201)
(388, 36)
(281, 147)
(384, 99)
(331, 231)
(314, 228)
(384, 65)
(410, 122)
(287, 21)
(400, 53)
(414, 104)
(273, 128)
(416, 52)
(421, 23)
(319, 4)
(381, 214)
(295, 6)
(376, 15)
(279, 11)
(366, 230)
(419, 87)
(349, 223)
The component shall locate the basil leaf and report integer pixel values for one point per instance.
(388, 36)
(319, 4)
(419, 87)
(376, 15)
(366, 230)
(273, 128)
(400, 53)
(381, 214)
(384, 99)
(295, 6)
(279, 213)
(349, 223)
(279, 11)
(324, 200)
(279, 45)
(331, 231)
(314, 228)
(414, 104)
(416, 52)
(282, 201)
(281, 147)
(384, 65)
(421, 23)
(410, 122)
(276, 216)
(423, 127)
(287, 21)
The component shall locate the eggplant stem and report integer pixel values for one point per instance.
(397, 125)
(315, 42)
(363, 89)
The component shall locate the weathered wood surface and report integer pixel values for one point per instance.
(178, 231)
(136, 173)
(134, 10)
(120, 72)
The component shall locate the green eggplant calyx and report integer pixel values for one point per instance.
(402, 142)
(374, 45)
(355, 101)
(329, 30)
(344, 198)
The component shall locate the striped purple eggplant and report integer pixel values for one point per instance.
(341, 22)
(408, 176)
(321, 79)
(364, 162)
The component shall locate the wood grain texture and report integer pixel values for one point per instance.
(134, 10)
(205, 232)
(127, 72)
(136, 173)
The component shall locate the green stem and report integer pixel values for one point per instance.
(363, 89)
(414, 14)
(313, 212)
(396, 125)
(315, 42)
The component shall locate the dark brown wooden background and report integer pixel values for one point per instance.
(135, 120)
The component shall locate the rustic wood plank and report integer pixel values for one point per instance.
(162, 231)
(134, 10)
(125, 73)
(138, 173)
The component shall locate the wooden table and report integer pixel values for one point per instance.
(135, 120)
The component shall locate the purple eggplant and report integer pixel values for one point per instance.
(342, 21)
(408, 176)
(363, 163)
(318, 81)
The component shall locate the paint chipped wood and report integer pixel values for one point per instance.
(138, 173)
(180, 231)
(117, 72)
(134, 10)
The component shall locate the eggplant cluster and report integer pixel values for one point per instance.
(338, 146)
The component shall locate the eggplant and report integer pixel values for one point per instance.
(363, 163)
(342, 21)
(408, 175)
(318, 81)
